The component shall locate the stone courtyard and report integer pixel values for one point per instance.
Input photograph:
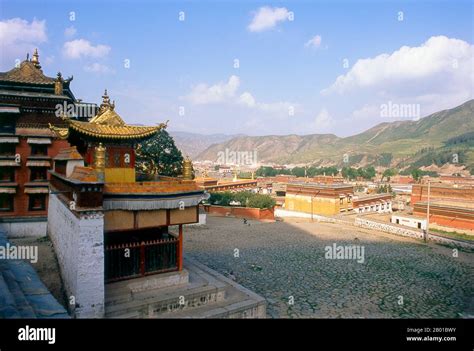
(285, 263)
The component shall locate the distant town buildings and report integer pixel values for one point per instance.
(451, 205)
(326, 199)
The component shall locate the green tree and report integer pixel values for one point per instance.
(416, 174)
(261, 201)
(159, 155)
(389, 172)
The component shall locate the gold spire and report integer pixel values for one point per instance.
(99, 161)
(187, 169)
(35, 59)
(106, 105)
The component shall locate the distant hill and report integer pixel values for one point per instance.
(192, 144)
(395, 144)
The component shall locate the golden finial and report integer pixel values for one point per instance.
(35, 59)
(106, 105)
(99, 162)
(187, 169)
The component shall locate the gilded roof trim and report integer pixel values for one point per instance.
(113, 132)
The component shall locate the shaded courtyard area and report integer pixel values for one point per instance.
(285, 262)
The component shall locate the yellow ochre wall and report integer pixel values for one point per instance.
(321, 205)
(120, 175)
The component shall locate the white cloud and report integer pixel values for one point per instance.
(366, 112)
(226, 93)
(69, 32)
(222, 91)
(435, 60)
(19, 37)
(247, 99)
(98, 68)
(267, 18)
(17, 30)
(314, 42)
(83, 48)
(323, 120)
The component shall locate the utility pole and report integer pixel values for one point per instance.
(428, 213)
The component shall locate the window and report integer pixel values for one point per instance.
(6, 202)
(39, 150)
(7, 174)
(7, 149)
(117, 159)
(419, 225)
(398, 221)
(341, 201)
(38, 174)
(37, 202)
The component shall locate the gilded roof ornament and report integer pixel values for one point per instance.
(61, 133)
(35, 59)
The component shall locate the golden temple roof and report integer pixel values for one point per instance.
(108, 124)
(29, 71)
(26, 73)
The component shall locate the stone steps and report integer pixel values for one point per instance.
(225, 309)
(155, 301)
(207, 294)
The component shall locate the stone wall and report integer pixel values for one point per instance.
(79, 244)
(24, 227)
(403, 231)
(241, 212)
(388, 228)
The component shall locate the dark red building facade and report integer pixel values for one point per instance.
(30, 103)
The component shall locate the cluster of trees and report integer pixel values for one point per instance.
(347, 172)
(352, 173)
(417, 174)
(385, 188)
(244, 198)
(467, 138)
(296, 171)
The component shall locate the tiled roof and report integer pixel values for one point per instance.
(112, 131)
(68, 153)
(108, 117)
(84, 174)
(172, 187)
(26, 73)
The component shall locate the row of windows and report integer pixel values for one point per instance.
(36, 202)
(341, 200)
(37, 174)
(8, 149)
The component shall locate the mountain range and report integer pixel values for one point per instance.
(442, 137)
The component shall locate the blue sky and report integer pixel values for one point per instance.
(290, 55)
